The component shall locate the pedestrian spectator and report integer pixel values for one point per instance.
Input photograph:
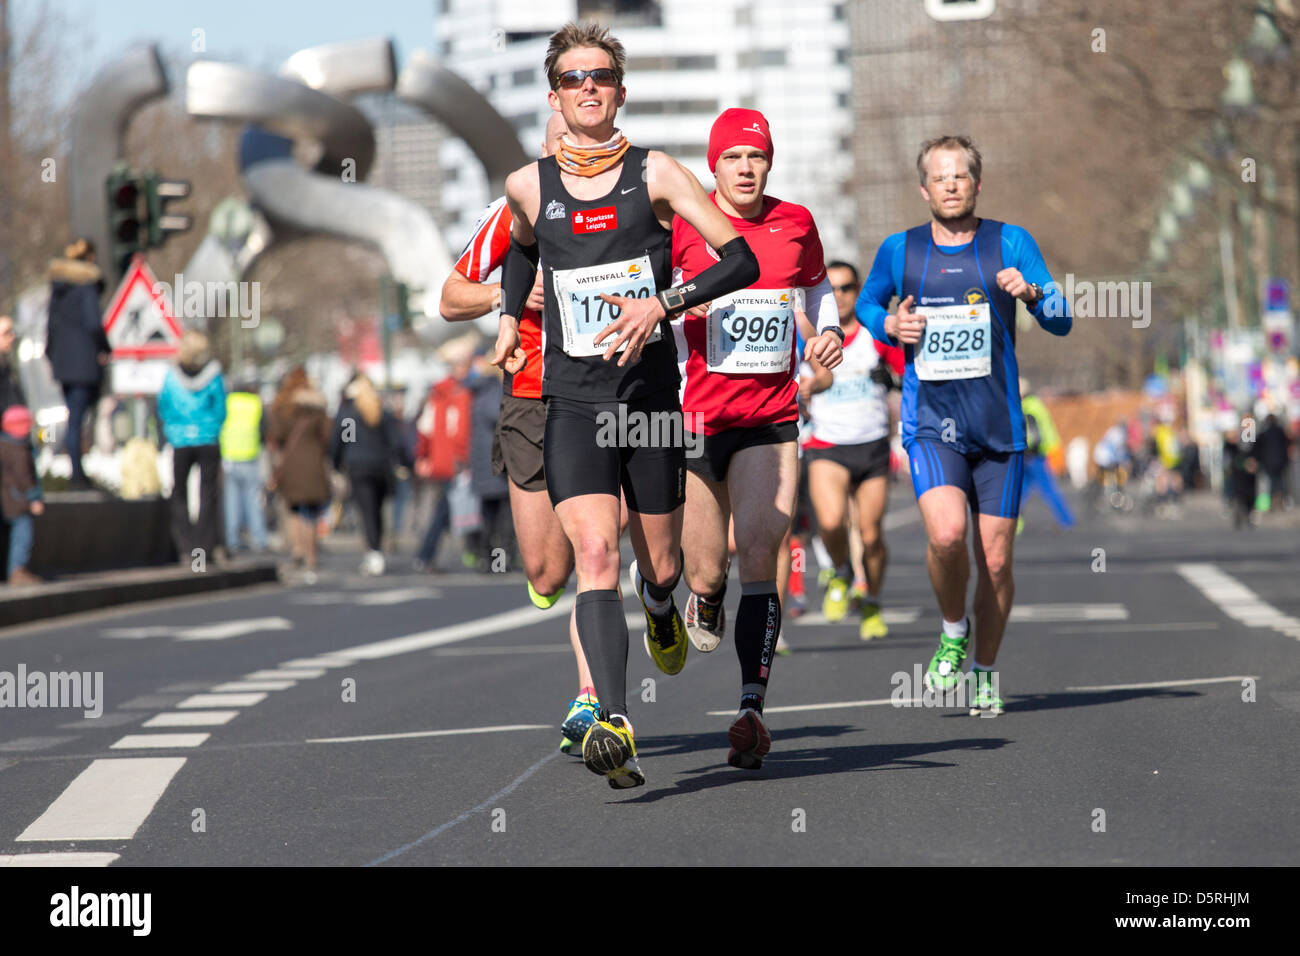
(11, 390)
(241, 466)
(75, 343)
(21, 490)
(489, 486)
(1042, 443)
(404, 484)
(1274, 452)
(1240, 461)
(367, 447)
(192, 407)
(298, 432)
(442, 447)
(1189, 465)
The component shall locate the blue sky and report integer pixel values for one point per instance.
(256, 32)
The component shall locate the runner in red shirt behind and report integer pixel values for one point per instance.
(740, 404)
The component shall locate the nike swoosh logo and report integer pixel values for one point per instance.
(624, 192)
(776, 230)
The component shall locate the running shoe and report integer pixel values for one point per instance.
(608, 749)
(706, 624)
(783, 647)
(583, 712)
(824, 576)
(543, 601)
(372, 565)
(857, 595)
(749, 740)
(873, 623)
(665, 635)
(945, 667)
(987, 703)
(836, 603)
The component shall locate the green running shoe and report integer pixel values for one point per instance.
(945, 667)
(836, 603)
(987, 703)
(543, 601)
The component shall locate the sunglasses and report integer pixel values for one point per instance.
(851, 287)
(573, 79)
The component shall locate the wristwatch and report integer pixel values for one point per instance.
(837, 330)
(672, 300)
(1039, 294)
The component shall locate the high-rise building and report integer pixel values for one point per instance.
(686, 63)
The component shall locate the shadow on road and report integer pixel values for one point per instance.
(1084, 698)
(787, 763)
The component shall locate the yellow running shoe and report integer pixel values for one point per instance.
(836, 603)
(873, 623)
(608, 749)
(543, 601)
(665, 634)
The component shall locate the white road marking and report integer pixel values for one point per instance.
(1168, 683)
(219, 631)
(239, 686)
(1039, 613)
(325, 661)
(533, 649)
(109, 800)
(286, 674)
(192, 718)
(1131, 628)
(901, 518)
(431, 733)
(58, 859)
(837, 705)
(368, 598)
(1238, 601)
(218, 701)
(158, 741)
(507, 620)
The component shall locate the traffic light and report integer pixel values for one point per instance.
(158, 193)
(127, 232)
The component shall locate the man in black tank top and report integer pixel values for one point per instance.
(599, 215)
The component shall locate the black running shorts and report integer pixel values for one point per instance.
(863, 462)
(717, 450)
(598, 448)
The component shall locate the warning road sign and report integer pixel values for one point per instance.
(139, 321)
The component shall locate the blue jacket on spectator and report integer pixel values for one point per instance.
(192, 405)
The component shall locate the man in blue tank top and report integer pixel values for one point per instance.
(958, 278)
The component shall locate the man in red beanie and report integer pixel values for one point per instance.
(741, 401)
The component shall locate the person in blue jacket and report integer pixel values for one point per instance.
(958, 278)
(192, 407)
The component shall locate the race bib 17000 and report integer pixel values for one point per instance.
(583, 313)
(751, 332)
(956, 343)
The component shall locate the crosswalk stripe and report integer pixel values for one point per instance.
(218, 701)
(158, 741)
(109, 800)
(1238, 601)
(192, 718)
(239, 686)
(58, 859)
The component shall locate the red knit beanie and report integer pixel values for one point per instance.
(738, 127)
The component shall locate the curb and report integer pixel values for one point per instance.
(94, 592)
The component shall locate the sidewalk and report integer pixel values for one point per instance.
(77, 593)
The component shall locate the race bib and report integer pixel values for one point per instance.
(956, 343)
(848, 391)
(751, 332)
(583, 313)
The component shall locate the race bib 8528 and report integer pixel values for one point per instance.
(956, 343)
(583, 313)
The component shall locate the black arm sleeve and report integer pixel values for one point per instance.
(737, 268)
(518, 273)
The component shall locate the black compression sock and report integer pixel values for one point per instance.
(602, 631)
(758, 625)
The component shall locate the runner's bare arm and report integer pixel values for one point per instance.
(463, 300)
(675, 191)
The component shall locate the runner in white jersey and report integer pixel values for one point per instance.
(848, 454)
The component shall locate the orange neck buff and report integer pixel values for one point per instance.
(591, 160)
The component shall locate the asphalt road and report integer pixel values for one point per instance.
(1151, 719)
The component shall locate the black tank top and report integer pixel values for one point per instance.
(618, 227)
